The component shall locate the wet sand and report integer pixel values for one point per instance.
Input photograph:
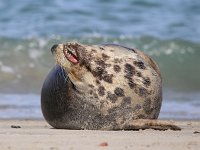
(38, 135)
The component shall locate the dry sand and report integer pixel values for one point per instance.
(37, 134)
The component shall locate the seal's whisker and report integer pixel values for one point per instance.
(63, 74)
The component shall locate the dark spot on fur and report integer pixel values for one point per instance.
(98, 71)
(111, 50)
(126, 102)
(101, 48)
(88, 68)
(97, 81)
(129, 70)
(147, 106)
(117, 68)
(105, 57)
(140, 64)
(138, 74)
(100, 62)
(84, 57)
(87, 65)
(137, 107)
(147, 81)
(117, 60)
(91, 92)
(107, 77)
(102, 74)
(143, 92)
(91, 86)
(111, 97)
(101, 91)
(119, 91)
(131, 83)
(94, 50)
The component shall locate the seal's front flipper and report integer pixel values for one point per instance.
(151, 124)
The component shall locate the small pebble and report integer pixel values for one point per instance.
(103, 144)
(196, 132)
(15, 126)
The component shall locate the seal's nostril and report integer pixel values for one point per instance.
(54, 48)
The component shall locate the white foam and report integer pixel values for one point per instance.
(6, 69)
(35, 54)
(168, 51)
(31, 65)
(42, 42)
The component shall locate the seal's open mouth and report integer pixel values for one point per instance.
(71, 55)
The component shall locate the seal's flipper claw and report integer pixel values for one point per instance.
(151, 124)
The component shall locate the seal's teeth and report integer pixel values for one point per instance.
(70, 51)
(73, 52)
(71, 55)
(68, 54)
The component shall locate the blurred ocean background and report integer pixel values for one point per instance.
(169, 31)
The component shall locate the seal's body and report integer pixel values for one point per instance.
(103, 87)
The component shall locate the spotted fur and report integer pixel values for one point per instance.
(114, 85)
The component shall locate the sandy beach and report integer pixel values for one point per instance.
(37, 134)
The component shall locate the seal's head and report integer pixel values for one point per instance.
(84, 64)
(72, 58)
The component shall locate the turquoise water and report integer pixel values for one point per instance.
(166, 30)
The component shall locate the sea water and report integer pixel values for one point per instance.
(168, 31)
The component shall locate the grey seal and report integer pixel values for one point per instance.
(103, 87)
